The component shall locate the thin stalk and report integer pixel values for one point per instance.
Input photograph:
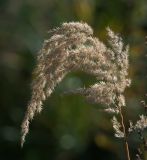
(125, 136)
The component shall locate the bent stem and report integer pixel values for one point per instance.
(125, 135)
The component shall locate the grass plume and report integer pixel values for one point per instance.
(72, 47)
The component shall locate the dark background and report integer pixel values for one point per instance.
(68, 127)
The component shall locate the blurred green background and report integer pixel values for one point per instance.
(68, 127)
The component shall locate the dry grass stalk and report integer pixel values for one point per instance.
(72, 47)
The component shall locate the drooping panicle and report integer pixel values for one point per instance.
(73, 47)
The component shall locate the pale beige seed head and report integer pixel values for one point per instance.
(73, 47)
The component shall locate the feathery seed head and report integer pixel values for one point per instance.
(73, 47)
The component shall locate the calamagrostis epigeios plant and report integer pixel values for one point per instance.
(72, 47)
